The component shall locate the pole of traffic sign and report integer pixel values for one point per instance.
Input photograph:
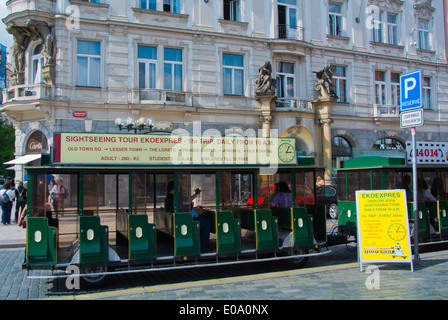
(414, 193)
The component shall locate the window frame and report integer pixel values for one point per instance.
(148, 62)
(173, 71)
(381, 88)
(426, 44)
(37, 63)
(234, 10)
(395, 89)
(233, 69)
(147, 4)
(336, 81)
(282, 81)
(337, 18)
(382, 30)
(427, 93)
(89, 58)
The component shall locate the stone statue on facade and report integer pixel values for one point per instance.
(22, 38)
(324, 85)
(23, 35)
(265, 85)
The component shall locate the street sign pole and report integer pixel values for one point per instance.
(410, 102)
(414, 193)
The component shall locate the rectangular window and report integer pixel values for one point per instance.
(335, 19)
(378, 30)
(147, 67)
(395, 88)
(423, 34)
(172, 69)
(148, 4)
(88, 58)
(340, 82)
(287, 14)
(380, 87)
(427, 93)
(232, 10)
(233, 74)
(286, 87)
(392, 29)
(386, 28)
(171, 6)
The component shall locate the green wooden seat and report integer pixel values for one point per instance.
(93, 240)
(41, 239)
(142, 238)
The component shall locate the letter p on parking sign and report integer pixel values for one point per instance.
(411, 91)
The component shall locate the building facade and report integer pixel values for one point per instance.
(80, 66)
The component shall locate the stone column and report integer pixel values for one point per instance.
(323, 112)
(266, 101)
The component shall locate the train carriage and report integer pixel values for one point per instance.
(114, 216)
(383, 173)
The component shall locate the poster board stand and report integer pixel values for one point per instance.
(383, 228)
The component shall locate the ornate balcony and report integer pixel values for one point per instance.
(386, 111)
(156, 96)
(38, 91)
(294, 104)
(290, 32)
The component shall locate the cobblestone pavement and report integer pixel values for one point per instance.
(344, 282)
(335, 276)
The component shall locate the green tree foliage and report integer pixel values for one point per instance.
(7, 138)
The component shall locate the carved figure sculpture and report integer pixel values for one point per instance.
(22, 38)
(265, 83)
(324, 85)
(42, 31)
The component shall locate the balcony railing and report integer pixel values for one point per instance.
(294, 104)
(290, 32)
(27, 92)
(386, 111)
(149, 96)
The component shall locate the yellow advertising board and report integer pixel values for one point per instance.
(147, 149)
(383, 229)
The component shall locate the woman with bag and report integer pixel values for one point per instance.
(54, 195)
(62, 195)
(20, 193)
(7, 197)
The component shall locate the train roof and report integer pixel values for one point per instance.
(372, 162)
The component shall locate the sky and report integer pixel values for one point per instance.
(5, 37)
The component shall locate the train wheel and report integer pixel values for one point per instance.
(92, 278)
(298, 262)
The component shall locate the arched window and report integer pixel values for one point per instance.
(341, 151)
(301, 148)
(37, 61)
(388, 144)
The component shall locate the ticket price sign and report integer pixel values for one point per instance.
(383, 230)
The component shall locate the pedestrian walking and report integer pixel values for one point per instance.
(6, 199)
(20, 194)
(54, 195)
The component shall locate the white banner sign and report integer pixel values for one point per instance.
(428, 152)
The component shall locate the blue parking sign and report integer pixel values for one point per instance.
(411, 91)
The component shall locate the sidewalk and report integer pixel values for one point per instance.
(12, 236)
